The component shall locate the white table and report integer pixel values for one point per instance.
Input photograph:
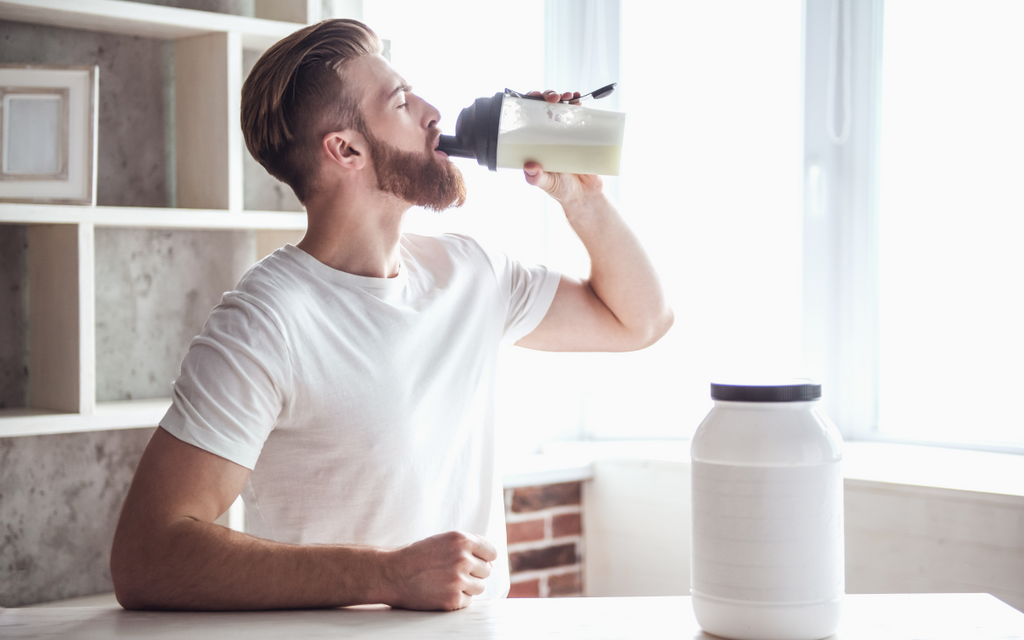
(866, 617)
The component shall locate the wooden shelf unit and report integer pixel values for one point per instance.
(208, 50)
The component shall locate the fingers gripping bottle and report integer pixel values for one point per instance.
(767, 496)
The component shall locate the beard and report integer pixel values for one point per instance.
(419, 179)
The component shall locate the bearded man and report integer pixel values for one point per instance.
(345, 389)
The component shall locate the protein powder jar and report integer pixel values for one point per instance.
(767, 496)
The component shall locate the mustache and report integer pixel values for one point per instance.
(433, 134)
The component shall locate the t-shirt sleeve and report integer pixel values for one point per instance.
(233, 383)
(527, 292)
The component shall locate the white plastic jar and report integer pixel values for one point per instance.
(767, 558)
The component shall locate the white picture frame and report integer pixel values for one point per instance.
(48, 122)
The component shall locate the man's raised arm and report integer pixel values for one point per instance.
(621, 306)
(168, 553)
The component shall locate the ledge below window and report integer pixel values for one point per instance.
(864, 463)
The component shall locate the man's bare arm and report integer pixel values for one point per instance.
(168, 553)
(621, 306)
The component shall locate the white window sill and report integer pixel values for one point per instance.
(864, 463)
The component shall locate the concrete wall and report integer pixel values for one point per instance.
(60, 494)
(155, 289)
(13, 317)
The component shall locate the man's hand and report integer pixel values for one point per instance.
(567, 189)
(554, 96)
(441, 572)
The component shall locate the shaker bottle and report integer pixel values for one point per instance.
(767, 496)
(510, 129)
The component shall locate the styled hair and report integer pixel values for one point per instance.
(295, 95)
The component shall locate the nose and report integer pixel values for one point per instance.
(431, 116)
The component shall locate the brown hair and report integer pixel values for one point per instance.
(295, 95)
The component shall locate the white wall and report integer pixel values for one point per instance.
(899, 538)
(636, 527)
(907, 539)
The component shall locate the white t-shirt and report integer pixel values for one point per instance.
(364, 406)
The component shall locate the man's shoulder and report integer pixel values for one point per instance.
(273, 285)
(454, 246)
(274, 275)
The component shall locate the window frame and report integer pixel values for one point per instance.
(841, 186)
(841, 221)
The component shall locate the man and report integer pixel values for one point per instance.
(345, 389)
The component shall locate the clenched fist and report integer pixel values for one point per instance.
(442, 572)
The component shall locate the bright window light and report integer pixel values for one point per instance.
(451, 58)
(951, 263)
(711, 181)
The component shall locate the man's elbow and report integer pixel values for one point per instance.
(130, 599)
(134, 587)
(664, 322)
(127, 592)
(654, 329)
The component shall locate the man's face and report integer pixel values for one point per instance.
(401, 131)
(417, 178)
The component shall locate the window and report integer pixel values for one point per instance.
(829, 188)
(913, 218)
(951, 221)
(710, 181)
(452, 57)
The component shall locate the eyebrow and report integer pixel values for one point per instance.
(398, 90)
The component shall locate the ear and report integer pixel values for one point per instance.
(345, 149)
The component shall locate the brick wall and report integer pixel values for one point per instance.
(545, 542)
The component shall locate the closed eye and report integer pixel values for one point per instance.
(404, 89)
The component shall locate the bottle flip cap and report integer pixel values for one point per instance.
(476, 132)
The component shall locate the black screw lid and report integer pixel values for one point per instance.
(476, 132)
(796, 390)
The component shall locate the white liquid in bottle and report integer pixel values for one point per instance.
(563, 158)
(561, 137)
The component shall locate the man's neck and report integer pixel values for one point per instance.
(358, 236)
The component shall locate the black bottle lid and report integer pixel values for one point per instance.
(476, 132)
(794, 390)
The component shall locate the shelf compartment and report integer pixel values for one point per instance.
(62, 267)
(208, 104)
(145, 20)
(155, 289)
(54, 275)
(61, 338)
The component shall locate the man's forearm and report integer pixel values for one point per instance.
(168, 553)
(194, 565)
(203, 566)
(621, 273)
